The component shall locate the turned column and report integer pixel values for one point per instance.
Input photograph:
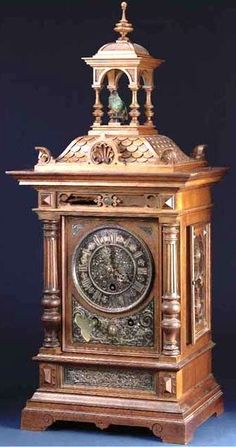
(98, 113)
(51, 317)
(134, 106)
(148, 106)
(170, 299)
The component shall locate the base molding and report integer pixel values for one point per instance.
(177, 427)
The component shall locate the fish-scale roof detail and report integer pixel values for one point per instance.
(155, 149)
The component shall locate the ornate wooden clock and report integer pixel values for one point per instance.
(127, 293)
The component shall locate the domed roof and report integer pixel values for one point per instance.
(122, 48)
(154, 149)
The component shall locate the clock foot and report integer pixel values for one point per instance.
(172, 433)
(220, 407)
(182, 432)
(174, 424)
(35, 420)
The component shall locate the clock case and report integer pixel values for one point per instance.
(170, 387)
(148, 366)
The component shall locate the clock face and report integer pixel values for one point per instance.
(112, 269)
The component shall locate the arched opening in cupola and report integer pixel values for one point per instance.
(123, 96)
(115, 96)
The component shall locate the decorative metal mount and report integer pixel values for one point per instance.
(135, 330)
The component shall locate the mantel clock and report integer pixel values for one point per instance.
(126, 216)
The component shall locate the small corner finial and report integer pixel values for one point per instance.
(44, 156)
(123, 27)
(199, 152)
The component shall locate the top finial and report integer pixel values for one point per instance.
(123, 7)
(123, 26)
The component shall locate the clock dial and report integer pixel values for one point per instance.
(112, 269)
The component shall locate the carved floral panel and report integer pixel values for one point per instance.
(200, 278)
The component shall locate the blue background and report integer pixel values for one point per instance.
(46, 99)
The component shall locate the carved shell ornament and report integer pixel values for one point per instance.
(103, 152)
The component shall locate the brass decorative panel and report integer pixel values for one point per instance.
(109, 378)
(200, 278)
(136, 330)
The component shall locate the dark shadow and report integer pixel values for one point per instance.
(121, 430)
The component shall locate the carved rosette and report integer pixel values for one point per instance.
(107, 200)
(157, 430)
(170, 299)
(51, 317)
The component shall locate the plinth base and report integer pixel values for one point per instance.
(173, 422)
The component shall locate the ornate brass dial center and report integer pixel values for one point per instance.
(112, 269)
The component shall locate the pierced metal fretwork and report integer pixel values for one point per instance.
(135, 330)
(109, 378)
